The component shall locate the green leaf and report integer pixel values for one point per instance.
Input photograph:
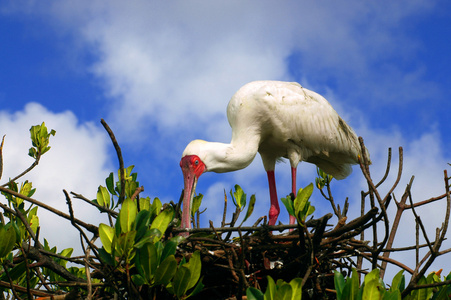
(373, 275)
(106, 234)
(288, 203)
(296, 288)
(144, 203)
(162, 221)
(125, 245)
(34, 223)
(302, 205)
(155, 208)
(149, 236)
(302, 197)
(169, 249)
(339, 284)
(398, 282)
(8, 240)
(142, 222)
(40, 140)
(110, 184)
(310, 210)
(160, 247)
(238, 197)
(103, 197)
(395, 295)
(18, 271)
(32, 212)
(26, 189)
(270, 289)
(284, 292)
(147, 264)
(138, 280)
(130, 188)
(323, 178)
(67, 253)
(32, 152)
(250, 208)
(127, 215)
(181, 281)
(351, 288)
(196, 204)
(194, 265)
(443, 293)
(371, 289)
(197, 289)
(127, 172)
(420, 293)
(166, 270)
(254, 294)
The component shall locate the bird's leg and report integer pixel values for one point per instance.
(274, 209)
(293, 190)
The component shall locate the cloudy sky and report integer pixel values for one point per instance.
(162, 73)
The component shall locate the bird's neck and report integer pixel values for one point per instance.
(221, 157)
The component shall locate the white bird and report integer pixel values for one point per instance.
(277, 119)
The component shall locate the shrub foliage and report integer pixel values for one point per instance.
(139, 252)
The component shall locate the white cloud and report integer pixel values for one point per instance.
(177, 64)
(181, 58)
(77, 161)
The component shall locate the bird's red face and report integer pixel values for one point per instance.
(192, 168)
(191, 164)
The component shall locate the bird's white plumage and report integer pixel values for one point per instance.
(281, 119)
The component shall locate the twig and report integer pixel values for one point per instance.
(400, 209)
(387, 170)
(89, 227)
(382, 203)
(244, 228)
(11, 285)
(312, 256)
(1, 157)
(101, 208)
(82, 233)
(47, 262)
(119, 156)
(419, 222)
(137, 191)
(431, 255)
(430, 285)
(224, 214)
(360, 221)
(27, 271)
(31, 167)
(27, 226)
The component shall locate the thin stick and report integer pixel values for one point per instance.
(89, 227)
(119, 156)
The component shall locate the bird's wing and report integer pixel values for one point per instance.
(292, 121)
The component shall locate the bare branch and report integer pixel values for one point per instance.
(89, 227)
(119, 156)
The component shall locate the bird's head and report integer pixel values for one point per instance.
(192, 167)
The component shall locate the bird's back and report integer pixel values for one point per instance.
(295, 123)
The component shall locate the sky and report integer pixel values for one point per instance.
(161, 74)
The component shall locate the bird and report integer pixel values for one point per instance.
(279, 120)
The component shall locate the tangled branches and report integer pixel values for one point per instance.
(142, 255)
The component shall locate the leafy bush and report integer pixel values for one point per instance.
(142, 256)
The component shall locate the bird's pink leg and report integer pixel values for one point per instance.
(293, 190)
(274, 210)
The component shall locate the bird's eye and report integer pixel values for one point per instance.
(196, 162)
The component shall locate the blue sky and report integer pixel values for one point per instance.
(161, 74)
